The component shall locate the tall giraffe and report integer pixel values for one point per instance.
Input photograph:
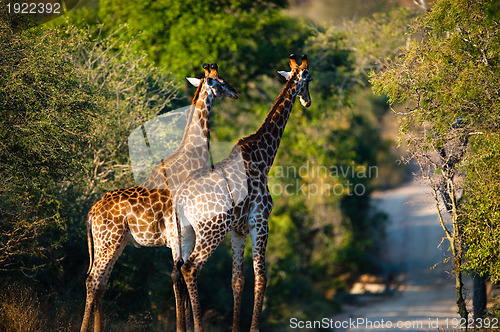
(233, 196)
(143, 214)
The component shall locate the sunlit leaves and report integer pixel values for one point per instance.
(449, 78)
(245, 38)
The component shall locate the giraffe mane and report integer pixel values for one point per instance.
(191, 113)
(197, 93)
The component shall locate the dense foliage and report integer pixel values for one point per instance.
(481, 206)
(241, 36)
(68, 104)
(45, 117)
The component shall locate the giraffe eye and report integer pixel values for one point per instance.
(210, 81)
(306, 76)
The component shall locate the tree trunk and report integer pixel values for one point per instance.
(479, 299)
(462, 307)
(457, 250)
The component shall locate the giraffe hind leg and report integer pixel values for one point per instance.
(187, 308)
(190, 271)
(186, 305)
(185, 245)
(88, 309)
(104, 261)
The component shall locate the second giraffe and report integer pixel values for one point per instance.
(233, 196)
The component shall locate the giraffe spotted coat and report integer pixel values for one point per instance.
(232, 196)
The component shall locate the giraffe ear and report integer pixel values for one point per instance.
(194, 81)
(285, 74)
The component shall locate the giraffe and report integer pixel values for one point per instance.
(143, 214)
(233, 196)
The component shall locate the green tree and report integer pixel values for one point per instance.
(448, 80)
(130, 90)
(481, 206)
(69, 99)
(45, 116)
(246, 38)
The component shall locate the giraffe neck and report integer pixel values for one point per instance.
(196, 139)
(268, 137)
(192, 152)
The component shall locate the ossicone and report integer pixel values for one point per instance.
(305, 62)
(206, 68)
(214, 69)
(293, 62)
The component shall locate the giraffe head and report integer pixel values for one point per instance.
(302, 78)
(213, 83)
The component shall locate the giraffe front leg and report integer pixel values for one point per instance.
(238, 278)
(205, 245)
(259, 242)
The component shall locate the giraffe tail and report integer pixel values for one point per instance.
(178, 212)
(89, 240)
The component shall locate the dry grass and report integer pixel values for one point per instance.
(20, 310)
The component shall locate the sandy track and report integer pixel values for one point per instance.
(425, 299)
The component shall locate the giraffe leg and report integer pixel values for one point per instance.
(98, 308)
(238, 279)
(180, 296)
(94, 297)
(88, 306)
(190, 270)
(187, 308)
(104, 260)
(188, 240)
(95, 294)
(203, 249)
(259, 242)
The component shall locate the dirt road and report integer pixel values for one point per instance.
(425, 299)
